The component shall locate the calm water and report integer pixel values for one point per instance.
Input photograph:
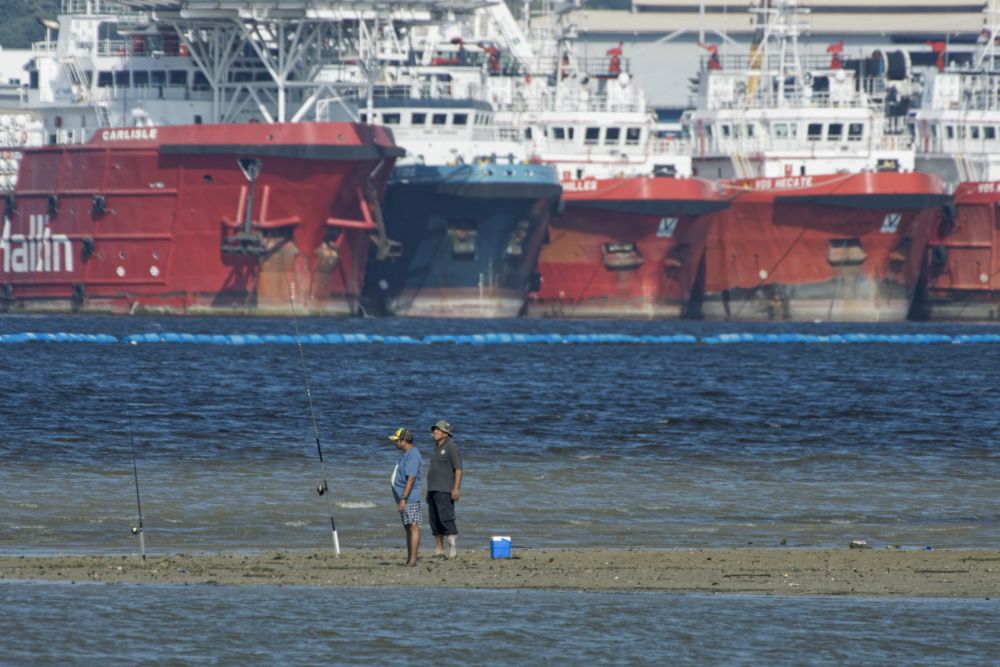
(565, 445)
(305, 626)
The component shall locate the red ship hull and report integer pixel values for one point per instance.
(842, 247)
(963, 262)
(625, 248)
(137, 219)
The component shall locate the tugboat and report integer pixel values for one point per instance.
(956, 130)
(159, 171)
(828, 220)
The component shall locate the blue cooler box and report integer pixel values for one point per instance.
(499, 547)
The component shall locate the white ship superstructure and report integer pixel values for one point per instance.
(775, 114)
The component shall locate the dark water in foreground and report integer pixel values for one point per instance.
(306, 626)
(565, 445)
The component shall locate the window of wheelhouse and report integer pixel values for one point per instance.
(105, 79)
(460, 119)
(591, 136)
(418, 118)
(140, 78)
(612, 136)
(855, 131)
(178, 77)
(439, 119)
(633, 136)
(814, 132)
(949, 131)
(835, 132)
(989, 132)
(974, 132)
(780, 131)
(726, 132)
(559, 133)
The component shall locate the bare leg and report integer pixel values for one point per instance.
(412, 542)
(452, 549)
(439, 545)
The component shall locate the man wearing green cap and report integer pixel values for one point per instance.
(444, 485)
(406, 490)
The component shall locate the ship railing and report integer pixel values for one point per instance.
(769, 63)
(670, 146)
(98, 8)
(592, 103)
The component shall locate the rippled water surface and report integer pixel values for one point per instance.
(565, 445)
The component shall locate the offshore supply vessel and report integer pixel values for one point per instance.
(957, 137)
(629, 237)
(162, 166)
(828, 220)
(467, 206)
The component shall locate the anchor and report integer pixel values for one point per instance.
(247, 241)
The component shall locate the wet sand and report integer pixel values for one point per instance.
(878, 572)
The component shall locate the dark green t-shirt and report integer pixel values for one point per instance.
(445, 460)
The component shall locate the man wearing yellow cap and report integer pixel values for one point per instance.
(406, 490)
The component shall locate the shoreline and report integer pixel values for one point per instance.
(972, 573)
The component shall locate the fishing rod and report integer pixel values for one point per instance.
(323, 488)
(135, 475)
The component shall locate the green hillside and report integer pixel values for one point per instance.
(18, 24)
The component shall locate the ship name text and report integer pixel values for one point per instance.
(38, 251)
(779, 183)
(129, 134)
(585, 185)
(988, 188)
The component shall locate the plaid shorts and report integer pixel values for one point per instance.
(411, 513)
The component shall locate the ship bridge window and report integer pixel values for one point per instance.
(461, 119)
(750, 131)
(105, 79)
(949, 131)
(391, 118)
(726, 133)
(364, 118)
(974, 132)
(178, 77)
(439, 119)
(814, 132)
(559, 133)
(33, 79)
(612, 136)
(855, 131)
(835, 131)
(989, 132)
(140, 78)
(122, 78)
(200, 81)
(418, 119)
(708, 131)
(591, 136)
(157, 77)
(934, 132)
(781, 131)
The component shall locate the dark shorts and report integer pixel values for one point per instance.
(441, 512)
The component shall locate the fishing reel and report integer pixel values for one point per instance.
(136, 531)
(322, 488)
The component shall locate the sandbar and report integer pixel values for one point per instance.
(766, 571)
